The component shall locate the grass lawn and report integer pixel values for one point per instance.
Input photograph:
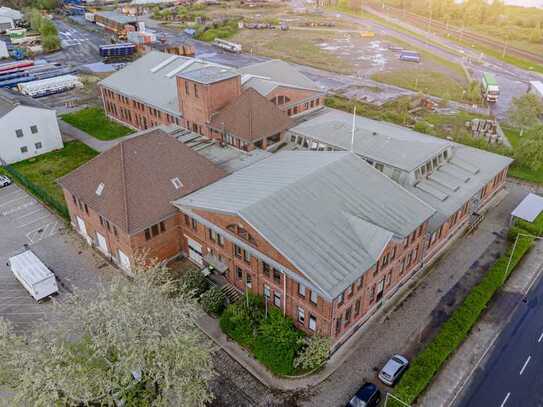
(296, 46)
(429, 82)
(47, 168)
(93, 121)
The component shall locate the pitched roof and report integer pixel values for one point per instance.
(329, 213)
(251, 117)
(132, 184)
(281, 72)
(209, 74)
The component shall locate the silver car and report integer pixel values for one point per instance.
(4, 181)
(393, 369)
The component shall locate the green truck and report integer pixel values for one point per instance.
(489, 88)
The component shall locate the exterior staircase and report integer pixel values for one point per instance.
(232, 293)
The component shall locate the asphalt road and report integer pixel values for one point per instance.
(512, 377)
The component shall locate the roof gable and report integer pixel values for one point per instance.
(251, 117)
(133, 183)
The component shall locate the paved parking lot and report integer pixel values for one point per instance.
(25, 221)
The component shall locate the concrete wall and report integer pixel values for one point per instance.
(23, 117)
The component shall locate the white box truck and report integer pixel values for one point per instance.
(38, 280)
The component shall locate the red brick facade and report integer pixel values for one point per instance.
(161, 241)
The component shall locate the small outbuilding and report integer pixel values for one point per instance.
(529, 209)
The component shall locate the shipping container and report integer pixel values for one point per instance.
(49, 86)
(117, 50)
(35, 277)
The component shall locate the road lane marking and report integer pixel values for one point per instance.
(540, 337)
(525, 364)
(505, 399)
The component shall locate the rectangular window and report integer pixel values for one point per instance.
(38, 145)
(248, 280)
(267, 293)
(162, 227)
(19, 133)
(115, 231)
(195, 90)
(101, 221)
(246, 256)
(312, 322)
(372, 293)
(147, 234)
(186, 88)
(277, 299)
(301, 290)
(348, 316)
(154, 230)
(211, 235)
(276, 276)
(86, 209)
(237, 251)
(338, 325)
(387, 279)
(301, 315)
(220, 240)
(357, 307)
(194, 224)
(24, 149)
(266, 268)
(239, 273)
(313, 297)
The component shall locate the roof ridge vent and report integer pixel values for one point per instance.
(100, 189)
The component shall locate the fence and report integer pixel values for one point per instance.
(38, 192)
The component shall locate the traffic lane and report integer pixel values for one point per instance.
(510, 376)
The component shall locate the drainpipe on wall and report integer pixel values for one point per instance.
(284, 294)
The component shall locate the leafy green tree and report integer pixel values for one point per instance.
(315, 351)
(529, 152)
(525, 111)
(50, 43)
(473, 92)
(193, 281)
(213, 300)
(127, 340)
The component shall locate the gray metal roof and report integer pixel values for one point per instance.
(280, 72)
(329, 213)
(261, 85)
(151, 79)
(388, 143)
(209, 74)
(456, 181)
(117, 17)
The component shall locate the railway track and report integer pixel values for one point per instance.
(461, 34)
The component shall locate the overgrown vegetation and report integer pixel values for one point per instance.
(45, 169)
(50, 40)
(213, 301)
(455, 330)
(224, 29)
(93, 121)
(272, 338)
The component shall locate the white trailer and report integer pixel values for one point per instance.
(38, 280)
(89, 17)
(3, 50)
(49, 86)
(227, 45)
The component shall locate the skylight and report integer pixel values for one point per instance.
(176, 183)
(100, 189)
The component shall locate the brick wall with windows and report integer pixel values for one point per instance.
(134, 113)
(295, 101)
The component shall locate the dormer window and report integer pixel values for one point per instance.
(100, 189)
(177, 183)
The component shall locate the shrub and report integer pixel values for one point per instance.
(213, 300)
(315, 351)
(240, 321)
(453, 332)
(194, 281)
(277, 344)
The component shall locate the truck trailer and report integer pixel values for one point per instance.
(35, 277)
(489, 88)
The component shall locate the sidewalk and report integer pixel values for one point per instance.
(391, 328)
(455, 375)
(98, 145)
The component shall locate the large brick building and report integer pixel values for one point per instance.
(120, 201)
(322, 236)
(164, 89)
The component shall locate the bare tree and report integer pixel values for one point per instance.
(130, 340)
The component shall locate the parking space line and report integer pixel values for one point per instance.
(29, 213)
(19, 208)
(34, 221)
(24, 196)
(10, 192)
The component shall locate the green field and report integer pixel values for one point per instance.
(44, 170)
(93, 121)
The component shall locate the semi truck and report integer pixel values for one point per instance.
(489, 88)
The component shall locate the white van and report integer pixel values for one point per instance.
(38, 280)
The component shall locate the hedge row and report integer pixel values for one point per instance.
(454, 331)
(38, 192)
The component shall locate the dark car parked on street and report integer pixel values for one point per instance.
(367, 396)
